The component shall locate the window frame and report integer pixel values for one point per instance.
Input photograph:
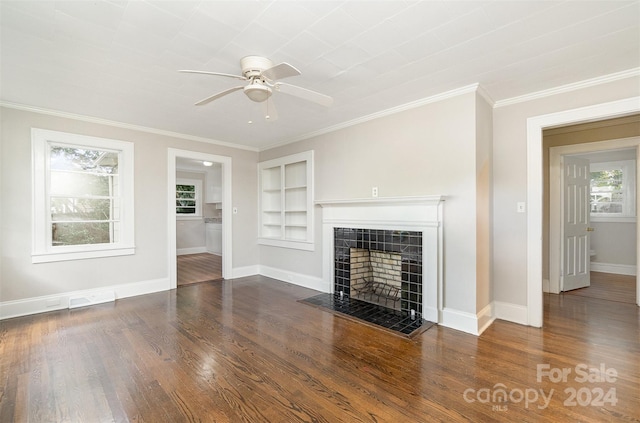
(42, 249)
(197, 183)
(629, 207)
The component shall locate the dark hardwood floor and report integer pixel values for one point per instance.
(247, 350)
(607, 286)
(200, 267)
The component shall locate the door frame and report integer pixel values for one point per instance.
(555, 200)
(227, 239)
(535, 126)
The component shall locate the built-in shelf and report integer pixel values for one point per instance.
(286, 201)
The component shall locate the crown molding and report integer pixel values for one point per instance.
(630, 73)
(123, 125)
(485, 94)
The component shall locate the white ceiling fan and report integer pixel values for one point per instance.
(262, 76)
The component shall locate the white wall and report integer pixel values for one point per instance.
(22, 280)
(614, 243)
(510, 178)
(430, 150)
(484, 186)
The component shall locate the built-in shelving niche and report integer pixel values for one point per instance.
(286, 201)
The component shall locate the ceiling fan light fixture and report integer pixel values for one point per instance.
(263, 77)
(257, 92)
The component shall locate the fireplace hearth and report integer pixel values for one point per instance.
(378, 279)
(394, 321)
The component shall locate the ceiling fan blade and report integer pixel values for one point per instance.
(304, 93)
(218, 95)
(228, 75)
(279, 71)
(270, 112)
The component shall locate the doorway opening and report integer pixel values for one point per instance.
(198, 220)
(535, 188)
(199, 216)
(603, 238)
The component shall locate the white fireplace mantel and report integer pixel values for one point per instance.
(383, 200)
(423, 214)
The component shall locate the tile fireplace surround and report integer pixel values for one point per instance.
(418, 218)
(408, 248)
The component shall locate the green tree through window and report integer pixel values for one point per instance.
(606, 191)
(84, 196)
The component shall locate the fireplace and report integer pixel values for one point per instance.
(375, 277)
(404, 235)
(383, 267)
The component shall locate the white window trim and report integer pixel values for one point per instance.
(198, 184)
(628, 215)
(42, 250)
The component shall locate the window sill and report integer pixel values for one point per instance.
(81, 255)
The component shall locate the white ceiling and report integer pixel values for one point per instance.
(118, 60)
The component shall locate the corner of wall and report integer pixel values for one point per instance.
(511, 312)
(473, 324)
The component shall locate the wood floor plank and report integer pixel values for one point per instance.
(201, 267)
(610, 287)
(248, 350)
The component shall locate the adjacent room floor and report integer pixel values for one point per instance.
(199, 267)
(606, 286)
(247, 350)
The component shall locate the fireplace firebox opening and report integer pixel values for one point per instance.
(383, 267)
(375, 277)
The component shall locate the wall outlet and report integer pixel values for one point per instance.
(374, 192)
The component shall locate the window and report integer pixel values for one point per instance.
(188, 198)
(286, 201)
(83, 196)
(613, 190)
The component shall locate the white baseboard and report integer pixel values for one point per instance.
(191, 250)
(511, 312)
(430, 313)
(618, 269)
(299, 279)
(459, 320)
(17, 308)
(241, 272)
(471, 323)
(486, 317)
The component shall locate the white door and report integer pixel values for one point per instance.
(575, 224)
